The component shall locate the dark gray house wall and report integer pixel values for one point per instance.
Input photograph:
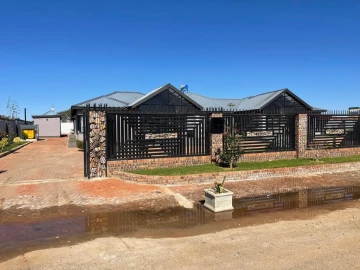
(79, 125)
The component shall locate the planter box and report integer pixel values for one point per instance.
(218, 202)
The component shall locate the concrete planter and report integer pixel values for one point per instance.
(218, 202)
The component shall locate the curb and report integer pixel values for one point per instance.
(14, 149)
(235, 176)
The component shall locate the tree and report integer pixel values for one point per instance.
(12, 109)
(65, 115)
(232, 149)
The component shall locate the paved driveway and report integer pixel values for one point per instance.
(48, 159)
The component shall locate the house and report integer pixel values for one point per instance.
(169, 99)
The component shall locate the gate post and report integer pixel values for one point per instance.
(97, 138)
(217, 132)
(301, 132)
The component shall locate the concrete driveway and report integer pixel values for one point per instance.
(43, 160)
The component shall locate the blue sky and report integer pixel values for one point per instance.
(63, 52)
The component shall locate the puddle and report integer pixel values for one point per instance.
(21, 232)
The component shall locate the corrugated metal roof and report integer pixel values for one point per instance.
(249, 103)
(115, 99)
(207, 102)
(130, 99)
(259, 101)
(160, 89)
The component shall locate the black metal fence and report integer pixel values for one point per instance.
(333, 130)
(132, 135)
(263, 132)
(139, 135)
(12, 125)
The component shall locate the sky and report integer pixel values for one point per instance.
(60, 53)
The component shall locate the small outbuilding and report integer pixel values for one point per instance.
(49, 125)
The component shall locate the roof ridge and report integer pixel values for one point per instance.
(127, 92)
(283, 89)
(102, 96)
(216, 98)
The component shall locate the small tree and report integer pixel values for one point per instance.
(12, 108)
(232, 150)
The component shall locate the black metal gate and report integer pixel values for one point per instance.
(333, 130)
(263, 132)
(133, 135)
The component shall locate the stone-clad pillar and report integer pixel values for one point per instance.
(301, 129)
(216, 139)
(97, 125)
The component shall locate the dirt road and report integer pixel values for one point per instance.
(327, 241)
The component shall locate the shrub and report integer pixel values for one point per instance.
(79, 144)
(3, 143)
(231, 150)
(3, 134)
(17, 140)
(23, 136)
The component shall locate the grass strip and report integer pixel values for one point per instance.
(11, 146)
(244, 166)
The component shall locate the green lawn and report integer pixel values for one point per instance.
(243, 166)
(11, 146)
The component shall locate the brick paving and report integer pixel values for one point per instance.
(77, 192)
(47, 173)
(41, 160)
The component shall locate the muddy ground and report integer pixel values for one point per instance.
(324, 237)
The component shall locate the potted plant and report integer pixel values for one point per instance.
(218, 198)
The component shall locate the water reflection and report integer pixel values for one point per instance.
(122, 222)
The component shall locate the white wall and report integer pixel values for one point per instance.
(65, 128)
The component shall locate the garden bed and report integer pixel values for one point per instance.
(245, 166)
(12, 148)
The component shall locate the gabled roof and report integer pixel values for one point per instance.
(207, 102)
(257, 102)
(115, 99)
(134, 99)
(158, 91)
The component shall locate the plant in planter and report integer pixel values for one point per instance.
(218, 199)
(219, 187)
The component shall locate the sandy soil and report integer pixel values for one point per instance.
(327, 241)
